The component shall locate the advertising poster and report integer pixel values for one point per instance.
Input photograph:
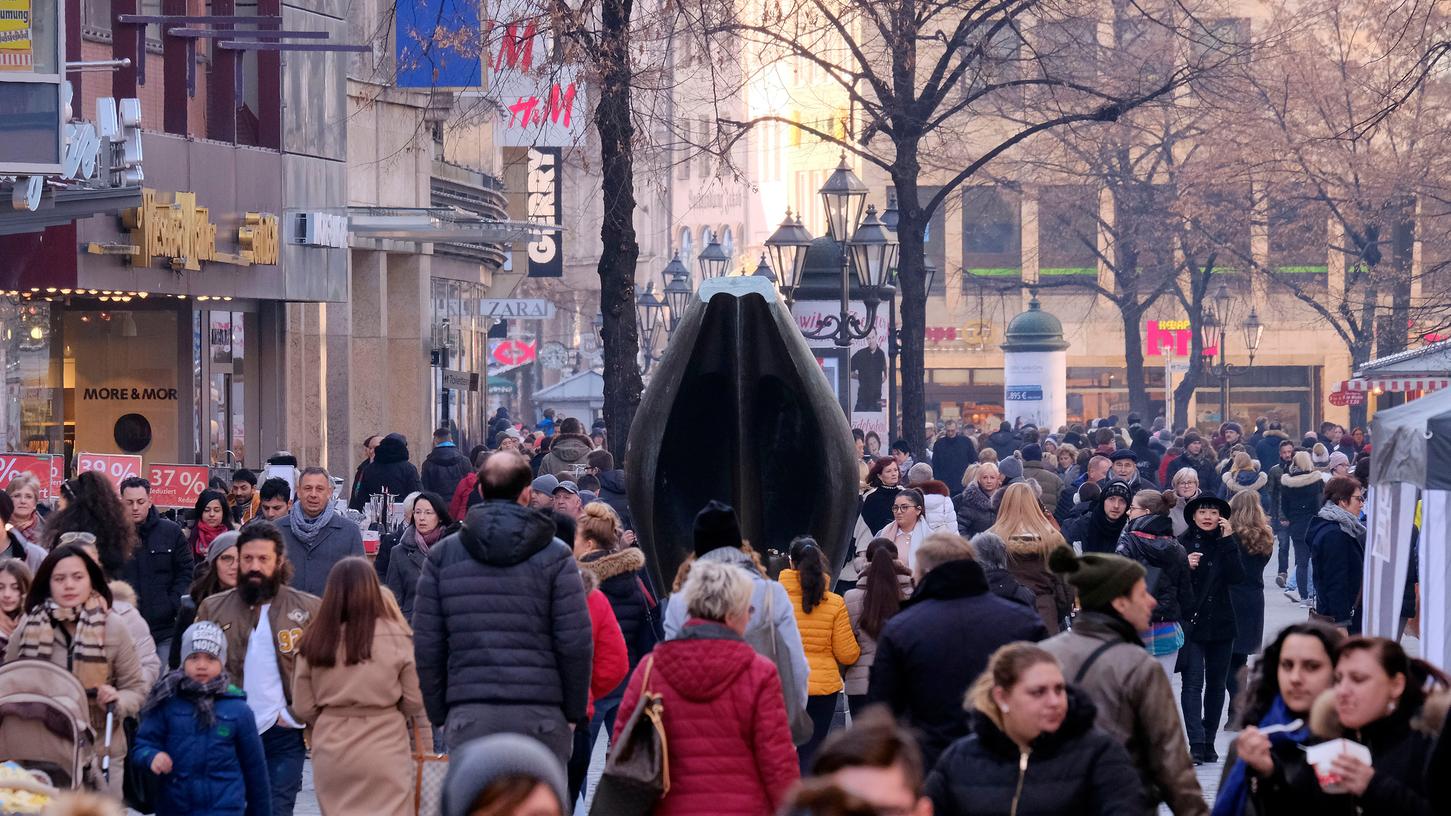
(538, 174)
(866, 365)
(16, 50)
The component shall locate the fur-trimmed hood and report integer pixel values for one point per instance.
(606, 565)
(1430, 720)
(591, 581)
(122, 591)
(1233, 485)
(1301, 479)
(1276, 434)
(933, 487)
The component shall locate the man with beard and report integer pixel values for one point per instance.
(263, 619)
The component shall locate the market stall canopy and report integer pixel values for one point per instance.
(575, 395)
(1427, 368)
(1409, 500)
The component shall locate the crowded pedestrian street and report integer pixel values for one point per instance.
(803, 408)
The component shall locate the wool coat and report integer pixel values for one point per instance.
(360, 715)
(858, 673)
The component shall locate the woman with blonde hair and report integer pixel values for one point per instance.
(1185, 485)
(975, 503)
(25, 521)
(1244, 475)
(1068, 463)
(1256, 545)
(1030, 538)
(1034, 747)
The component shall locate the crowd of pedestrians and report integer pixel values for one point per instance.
(1000, 638)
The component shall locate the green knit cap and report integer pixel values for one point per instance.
(1098, 577)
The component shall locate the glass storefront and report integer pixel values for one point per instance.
(458, 321)
(219, 383)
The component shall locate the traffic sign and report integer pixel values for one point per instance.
(177, 485)
(42, 466)
(513, 352)
(117, 466)
(1347, 397)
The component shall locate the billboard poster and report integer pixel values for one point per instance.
(438, 44)
(17, 52)
(533, 177)
(866, 364)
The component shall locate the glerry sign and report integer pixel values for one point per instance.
(545, 206)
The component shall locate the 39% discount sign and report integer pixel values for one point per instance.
(177, 485)
(117, 466)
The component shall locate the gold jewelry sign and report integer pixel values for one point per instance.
(183, 234)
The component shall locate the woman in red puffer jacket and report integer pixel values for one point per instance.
(728, 743)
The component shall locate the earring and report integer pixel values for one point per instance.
(1003, 709)
(1391, 706)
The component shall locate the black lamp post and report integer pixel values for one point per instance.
(650, 311)
(864, 243)
(1214, 333)
(713, 260)
(677, 290)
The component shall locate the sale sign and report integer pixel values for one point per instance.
(177, 485)
(117, 466)
(43, 467)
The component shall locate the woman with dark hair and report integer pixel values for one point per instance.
(1296, 669)
(428, 522)
(908, 529)
(826, 637)
(877, 596)
(356, 682)
(1214, 566)
(1377, 701)
(93, 506)
(1336, 540)
(884, 481)
(1148, 538)
(14, 586)
(213, 517)
(216, 573)
(71, 624)
(16, 546)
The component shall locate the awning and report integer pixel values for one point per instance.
(1396, 383)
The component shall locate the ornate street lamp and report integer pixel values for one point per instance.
(650, 311)
(763, 270)
(787, 247)
(842, 196)
(874, 249)
(1214, 332)
(677, 291)
(676, 268)
(713, 260)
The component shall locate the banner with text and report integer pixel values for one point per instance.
(176, 485)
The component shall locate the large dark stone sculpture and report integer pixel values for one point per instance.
(739, 410)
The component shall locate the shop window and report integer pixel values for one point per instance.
(1298, 231)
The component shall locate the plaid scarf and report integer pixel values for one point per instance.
(87, 649)
(202, 695)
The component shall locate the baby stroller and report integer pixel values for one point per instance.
(45, 723)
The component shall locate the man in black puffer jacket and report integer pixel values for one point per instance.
(501, 630)
(445, 466)
(612, 485)
(390, 470)
(161, 568)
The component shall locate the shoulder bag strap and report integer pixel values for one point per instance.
(1093, 658)
(771, 621)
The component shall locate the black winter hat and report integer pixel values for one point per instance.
(716, 526)
(1203, 500)
(1123, 453)
(1033, 453)
(1120, 489)
(1098, 577)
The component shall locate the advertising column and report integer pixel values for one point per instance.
(1035, 369)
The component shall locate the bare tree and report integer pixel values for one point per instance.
(949, 86)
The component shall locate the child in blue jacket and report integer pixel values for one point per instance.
(198, 734)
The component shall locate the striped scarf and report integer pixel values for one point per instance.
(36, 634)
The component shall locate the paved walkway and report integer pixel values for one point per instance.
(1279, 613)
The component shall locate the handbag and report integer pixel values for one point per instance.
(429, 770)
(637, 771)
(800, 720)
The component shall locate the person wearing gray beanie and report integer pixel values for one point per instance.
(1104, 656)
(477, 765)
(221, 544)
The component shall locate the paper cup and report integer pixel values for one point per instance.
(370, 541)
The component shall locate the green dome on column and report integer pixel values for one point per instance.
(1034, 330)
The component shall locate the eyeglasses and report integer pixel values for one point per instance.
(1360, 497)
(902, 508)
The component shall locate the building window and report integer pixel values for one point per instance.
(1067, 48)
(1298, 231)
(1068, 231)
(992, 243)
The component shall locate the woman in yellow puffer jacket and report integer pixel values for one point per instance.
(826, 635)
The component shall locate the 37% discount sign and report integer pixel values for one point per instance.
(117, 466)
(177, 485)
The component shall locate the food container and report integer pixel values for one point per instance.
(1323, 756)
